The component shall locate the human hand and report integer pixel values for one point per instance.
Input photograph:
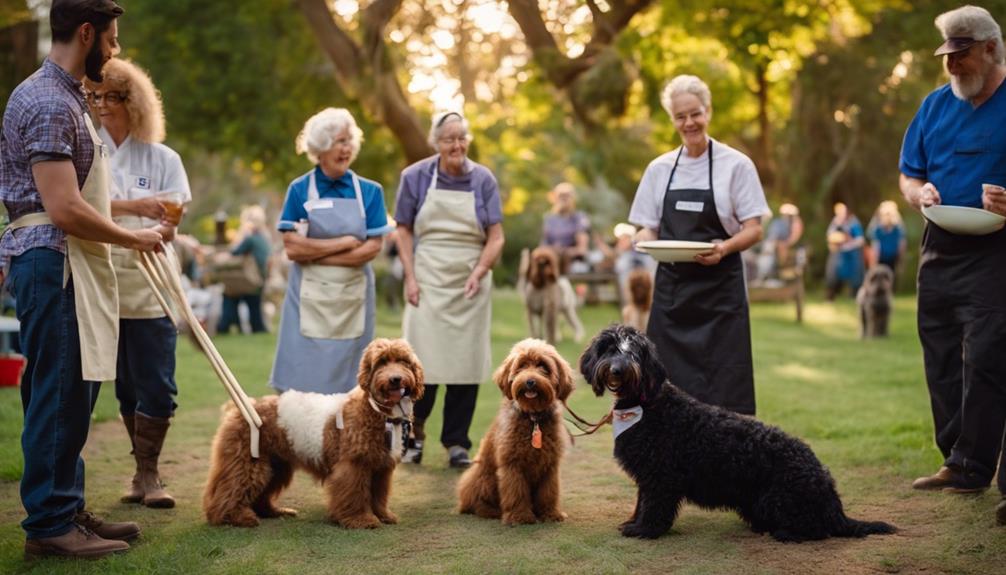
(713, 256)
(295, 246)
(167, 232)
(928, 195)
(147, 240)
(994, 198)
(412, 291)
(644, 235)
(149, 208)
(473, 284)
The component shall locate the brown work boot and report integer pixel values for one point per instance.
(938, 480)
(122, 531)
(149, 438)
(79, 542)
(134, 493)
(952, 481)
(1001, 511)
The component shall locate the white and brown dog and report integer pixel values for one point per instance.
(341, 439)
(546, 295)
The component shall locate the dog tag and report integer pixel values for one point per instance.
(536, 437)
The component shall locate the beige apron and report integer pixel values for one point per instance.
(332, 298)
(95, 291)
(450, 334)
(136, 299)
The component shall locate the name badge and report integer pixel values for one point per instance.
(682, 206)
(143, 182)
(319, 204)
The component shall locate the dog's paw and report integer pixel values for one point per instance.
(554, 516)
(388, 518)
(519, 518)
(624, 524)
(640, 531)
(360, 522)
(247, 519)
(286, 512)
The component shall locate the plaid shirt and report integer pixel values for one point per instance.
(44, 121)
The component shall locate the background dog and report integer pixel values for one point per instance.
(546, 295)
(676, 448)
(876, 301)
(339, 439)
(636, 313)
(516, 474)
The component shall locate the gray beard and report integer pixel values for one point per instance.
(966, 87)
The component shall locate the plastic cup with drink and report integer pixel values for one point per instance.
(173, 205)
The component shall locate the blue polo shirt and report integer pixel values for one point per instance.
(957, 147)
(342, 187)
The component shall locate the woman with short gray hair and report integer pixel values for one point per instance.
(704, 191)
(450, 234)
(332, 224)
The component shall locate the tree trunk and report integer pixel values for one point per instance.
(367, 73)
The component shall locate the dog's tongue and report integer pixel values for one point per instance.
(530, 394)
(395, 395)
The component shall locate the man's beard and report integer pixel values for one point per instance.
(94, 62)
(966, 87)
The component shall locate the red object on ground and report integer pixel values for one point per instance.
(11, 369)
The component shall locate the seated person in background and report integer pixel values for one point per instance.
(252, 239)
(566, 229)
(782, 235)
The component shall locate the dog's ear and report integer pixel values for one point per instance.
(417, 372)
(563, 377)
(370, 355)
(654, 373)
(588, 359)
(501, 377)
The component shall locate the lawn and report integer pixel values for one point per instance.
(862, 406)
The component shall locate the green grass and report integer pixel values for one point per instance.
(862, 406)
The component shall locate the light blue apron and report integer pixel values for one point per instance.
(328, 311)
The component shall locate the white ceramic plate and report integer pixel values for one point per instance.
(673, 250)
(964, 220)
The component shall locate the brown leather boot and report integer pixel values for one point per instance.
(121, 531)
(134, 493)
(78, 542)
(150, 432)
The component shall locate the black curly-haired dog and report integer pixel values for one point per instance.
(677, 448)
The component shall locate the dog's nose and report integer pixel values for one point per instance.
(616, 370)
(530, 384)
(395, 380)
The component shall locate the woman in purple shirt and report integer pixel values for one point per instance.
(566, 229)
(450, 233)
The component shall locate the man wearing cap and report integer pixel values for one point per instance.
(955, 143)
(54, 184)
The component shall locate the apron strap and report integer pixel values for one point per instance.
(678, 159)
(29, 220)
(312, 191)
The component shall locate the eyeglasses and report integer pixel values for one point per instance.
(454, 140)
(109, 98)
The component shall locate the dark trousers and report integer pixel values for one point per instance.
(965, 364)
(145, 369)
(459, 407)
(57, 403)
(229, 315)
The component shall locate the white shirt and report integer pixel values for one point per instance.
(140, 170)
(737, 190)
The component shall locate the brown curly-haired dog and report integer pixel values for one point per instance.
(339, 439)
(546, 295)
(516, 474)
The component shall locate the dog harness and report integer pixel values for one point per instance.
(396, 429)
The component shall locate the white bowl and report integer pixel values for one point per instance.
(964, 220)
(673, 250)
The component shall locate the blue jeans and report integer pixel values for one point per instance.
(229, 315)
(57, 402)
(145, 369)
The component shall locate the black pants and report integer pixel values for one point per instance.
(962, 327)
(459, 407)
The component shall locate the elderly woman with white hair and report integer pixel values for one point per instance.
(332, 223)
(450, 233)
(703, 191)
(147, 179)
(252, 241)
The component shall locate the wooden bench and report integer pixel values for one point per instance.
(788, 286)
(602, 287)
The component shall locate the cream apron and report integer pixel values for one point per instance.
(329, 311)
(450, 334)
(136, 299)
(95, 292)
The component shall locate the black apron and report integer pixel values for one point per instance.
(699, 321)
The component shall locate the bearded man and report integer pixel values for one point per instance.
(956, 143)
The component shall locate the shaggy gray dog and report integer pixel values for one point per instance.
(876, 300)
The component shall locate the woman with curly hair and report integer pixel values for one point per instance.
(149, 187)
